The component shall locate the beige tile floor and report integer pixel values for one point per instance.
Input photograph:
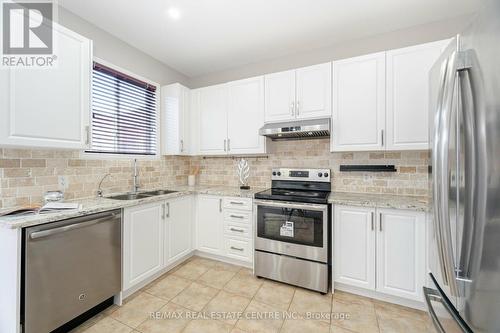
(199, 292)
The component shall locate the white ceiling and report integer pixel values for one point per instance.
(213, 35)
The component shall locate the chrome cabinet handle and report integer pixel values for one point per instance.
(237, 248)
(237, 230)
(228, 144)
(373, 223)
(220, 205)
(380, 220)
(292, 106)
(297, 108)
(236, 203)
(163, 214)
(237, 216)
(168, 209)
(182, 146)
(87, 134)
(382, 137)
(225, 141)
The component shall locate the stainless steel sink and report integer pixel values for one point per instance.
(141, 195)
(129, 196)
(158, 192)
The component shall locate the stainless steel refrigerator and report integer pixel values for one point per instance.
(465, 141)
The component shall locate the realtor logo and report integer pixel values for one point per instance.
(27, 28)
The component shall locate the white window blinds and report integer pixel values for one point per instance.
(124, 113)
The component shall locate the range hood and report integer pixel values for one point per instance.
(298, 129)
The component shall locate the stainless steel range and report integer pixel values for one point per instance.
(292, 228)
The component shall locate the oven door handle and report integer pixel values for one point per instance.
(286, 204)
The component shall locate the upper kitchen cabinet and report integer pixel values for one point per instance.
(176, 120)
(49, 107)
(212, 116)
(245, 116)
(299, 94)
(358, 103)
(380, 101)
(408, 95)
(314, 91)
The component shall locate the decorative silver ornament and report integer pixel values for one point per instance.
(243, 173)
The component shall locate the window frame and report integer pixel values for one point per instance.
(88, 155)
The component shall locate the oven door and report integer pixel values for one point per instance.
(293, 229)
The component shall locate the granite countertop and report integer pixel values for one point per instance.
(96, 205)
(417, 203)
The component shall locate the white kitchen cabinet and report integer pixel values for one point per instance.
(212, 115)
(280, 96)
(382, 250)
(358, 103)
(245, 116)
(407, 118)
(209, 224)
(301, 93)
(354, 246)
(176, 120)
(178, 228)
(143, 241)
(49, 107)
(401, 253)
(314, 91)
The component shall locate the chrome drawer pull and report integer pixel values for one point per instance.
(237, 216)
(237, 248)
(236, 203)
(238, 230)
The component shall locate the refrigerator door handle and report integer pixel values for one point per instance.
(468, 95)
(430, 296)
(444, 220)
(436, 184)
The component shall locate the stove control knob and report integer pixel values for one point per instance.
(279, 173)
(274, 173)
(326, 174)
(320, 174)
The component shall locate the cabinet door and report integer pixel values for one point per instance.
(408, 95)
(280, 96)
(401, 253)
(212, 112)
(186, 121)
(178, 229)
(354, 246)
(209, 224)
(246, 116)
(142, 243)
(171, 96)
(49, 107)
(314, 91)
(358, 103)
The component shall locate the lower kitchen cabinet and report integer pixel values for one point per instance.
(224, 227)
(143, 242)
(178, 228)
(380, 249)
(209, 224)
(354, 246)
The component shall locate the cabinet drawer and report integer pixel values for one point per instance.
(237, 216)
(238, 230)
(240, 249)
(238, 203)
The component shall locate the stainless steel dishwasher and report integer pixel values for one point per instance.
(70, 266)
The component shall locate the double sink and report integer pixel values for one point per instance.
(141, 195)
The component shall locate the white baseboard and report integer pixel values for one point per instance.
(126, 293)
(379, 296)
(224, 259)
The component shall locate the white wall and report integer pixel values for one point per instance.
(387, 41)
(117, 52)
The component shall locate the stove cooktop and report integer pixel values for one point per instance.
(293, 195)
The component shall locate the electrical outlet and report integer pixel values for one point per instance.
(367, 177)
(62, 182)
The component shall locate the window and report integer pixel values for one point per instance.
(124, 113)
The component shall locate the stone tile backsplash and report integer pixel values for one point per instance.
(25, 174)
